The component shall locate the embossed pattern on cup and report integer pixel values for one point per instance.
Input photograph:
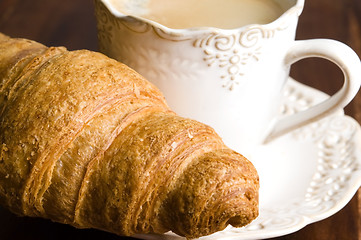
(232, 52)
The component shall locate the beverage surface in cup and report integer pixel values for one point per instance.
(225, 14)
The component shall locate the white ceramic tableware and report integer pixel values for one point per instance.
(231, 79)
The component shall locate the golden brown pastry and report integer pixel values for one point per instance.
(85, 140)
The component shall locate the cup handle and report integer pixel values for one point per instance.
(340, 54)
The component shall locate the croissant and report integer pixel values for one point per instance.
(87, 141)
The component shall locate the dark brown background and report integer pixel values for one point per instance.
(71, 23)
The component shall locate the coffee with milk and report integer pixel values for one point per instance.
(225, 14)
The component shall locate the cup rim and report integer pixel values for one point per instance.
(295, 9)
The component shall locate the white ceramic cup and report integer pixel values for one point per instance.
(229, 79)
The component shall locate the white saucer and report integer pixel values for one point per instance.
(306, 176)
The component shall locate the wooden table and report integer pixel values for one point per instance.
(71, 23)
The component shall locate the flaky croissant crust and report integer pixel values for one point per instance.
(87, 141)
